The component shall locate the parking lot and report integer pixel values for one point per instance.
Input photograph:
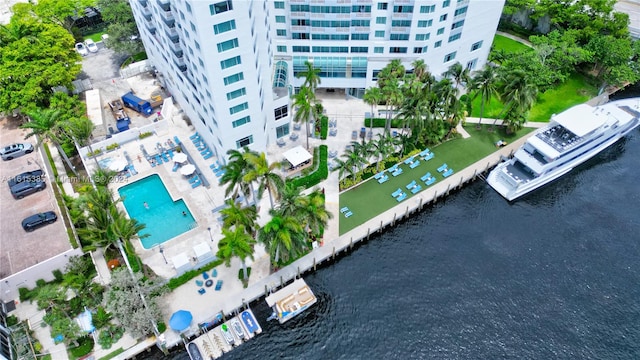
(19, 249)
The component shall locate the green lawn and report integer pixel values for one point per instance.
(95, 36)
(509, 46)
(370, 198)
(576, 90)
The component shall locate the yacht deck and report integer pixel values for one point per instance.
(560, 138)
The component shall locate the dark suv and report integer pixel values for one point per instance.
(38, 220)
(25, 188)
(30, 176)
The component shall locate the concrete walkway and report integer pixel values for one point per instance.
(515, 38)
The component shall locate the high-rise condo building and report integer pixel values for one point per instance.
(232, 64)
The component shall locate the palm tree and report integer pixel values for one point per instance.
(518, 94)
(420, 69)
(393, 96)
(283, 237)
(384, 147)
(484, 83)
(264, 173)
(313, 213)
(311, 76)
(237, 243)
(458, 73)
(289, 201)
(235, 171)
(234, 215)
(372, 96)
(46, 124)
(303, 103)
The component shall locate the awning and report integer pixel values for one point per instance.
(118, 164)
(180, 158)
(188, 169)
(297, 155)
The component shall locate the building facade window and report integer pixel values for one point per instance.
(379, 33)
(359, 49)
(281, 112)
(401, 23)
(300, 36)
(278, 4)
(417, 50)
(281, 48)
(245, 141)
(359, 36)
(378, 50)
(236, 93)
(281, 19)
(425, 23)
(238, 108)
(399, 37)
(360, 22)
(281, 32)
(446, 3)
(440, 31)
(454, 37)
(403, 9)
(472, 64)
(450, 57)
(457, 24)
(437, 44)
(282, 130)
(241, 121)
(220, 7)
(422, 37)
(301, 49)
(381, 20)
(460, 11)
(476, 46)
(383, 6)
(227, 45)
(397, 50)
(443, 17)
(233, 78)
(225, 64)
(427, 9)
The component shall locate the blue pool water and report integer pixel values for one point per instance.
(163, 217)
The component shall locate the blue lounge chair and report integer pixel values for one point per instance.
(443, 168)
(213, 167)
(448, 173)
(158, 159)
(396, 193)
(411, 185)
(196, 184)
(214, 273)
(175, 167)
(393, 168)
(409, 160)
(165, 156)
(430, 181)
(397, 172)
(205, 275)
(348, 214)
(194, 136)
(401, 197)
(383, 179)
(424, 152)
(199, 282)
(220, 173)
(426, 176)
(170, 153)
(133, 170)
(208, 155)
(193, 179)
(176, 140)
(416, 189)
(153, 163)
(415, 164)
(379, 175)
(344, 209)
(201, 291)
(428, 157)
(218, 285)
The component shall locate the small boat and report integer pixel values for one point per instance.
(224, 329)
(194, 352)
(237, 328)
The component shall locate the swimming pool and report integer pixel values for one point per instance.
(148, 201)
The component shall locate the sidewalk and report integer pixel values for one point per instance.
(515, 38)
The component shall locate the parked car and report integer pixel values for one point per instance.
(30, 176)
(81, 49)
(91, 46)
(38, 220)
(25, 188)
(15, 150)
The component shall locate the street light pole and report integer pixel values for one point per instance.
(210, 236)
(162, 253)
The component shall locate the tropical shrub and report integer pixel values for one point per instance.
(85, 347)
(314, 178)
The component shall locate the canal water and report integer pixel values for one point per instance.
(554, 275)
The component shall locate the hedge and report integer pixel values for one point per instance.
(380, 123)
(175, 282)
(324, 127)
(314, 178)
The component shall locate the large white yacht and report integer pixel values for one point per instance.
(571, 138)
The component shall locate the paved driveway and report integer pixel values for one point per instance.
(20, 250)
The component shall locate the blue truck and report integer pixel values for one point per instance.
(137, 104)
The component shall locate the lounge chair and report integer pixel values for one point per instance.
(443, 168)
(397, 172)
(165, 156)
(415, 164)
(201, 291)
(153, 163)
(158, 159)
(448, 173)
(208, 156)
(194, 136)
(409, 161)
(220, 173)
(393, 168)
(176, 140)
(379, 175)
(411, 185)
(133, 170)
(348, 214)
(396, 193)
(193, 179)
(214, 273)
(196, 184)
(426, 176)
(170, 153)
(344, 209)
(424, 152)
(205, 275)
(428, 157)
(199, 282)
(430, 181)
(401, 197)
(175, 167)
(218, 285)
(383, 179)
(416, 189)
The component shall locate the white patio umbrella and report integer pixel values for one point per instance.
(188, 169)
(118, 164)
(180, 158)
